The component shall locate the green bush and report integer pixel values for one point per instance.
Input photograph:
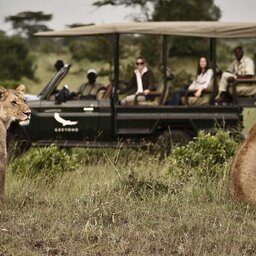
(15, 60)
(48, 162)
(182, 78)
(206, 155)
(9, 84)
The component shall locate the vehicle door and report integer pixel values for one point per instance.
(73, 120)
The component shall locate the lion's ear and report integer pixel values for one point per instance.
(2, 93)
(21, 88)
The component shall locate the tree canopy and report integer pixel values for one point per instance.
(27, 23)
(170, 10)
(15, 61)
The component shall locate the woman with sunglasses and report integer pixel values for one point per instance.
(202, 80)
(142, 82)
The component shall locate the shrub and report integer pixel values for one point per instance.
(205, 155)
(48, 162)
(9, 84)
(182, 78)
(15, 60)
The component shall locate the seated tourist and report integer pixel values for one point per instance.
(241, 67)
(142, 81)
(90, 90)
(202, 81)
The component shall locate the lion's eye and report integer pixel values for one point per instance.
(14, 102)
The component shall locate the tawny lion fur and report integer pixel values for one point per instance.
(13, 107)
(242, 183)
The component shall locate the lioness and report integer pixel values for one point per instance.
(242, 183)
(13, 107)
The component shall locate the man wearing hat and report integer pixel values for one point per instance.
(90, 90)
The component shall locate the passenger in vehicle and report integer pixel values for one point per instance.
(90, 90)
(241, 67)
(202, 80)
(59, 64)
(142, 81)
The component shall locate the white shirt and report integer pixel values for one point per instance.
(139, 80)
(202, 80)
(243, 67)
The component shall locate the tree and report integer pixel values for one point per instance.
(188, 10)
(144, 5)
(27, 23)
(15, 61)
(170, 10)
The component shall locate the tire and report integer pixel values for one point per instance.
(170, 138)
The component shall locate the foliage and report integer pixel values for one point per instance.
(182, 78)
(172, 10)
(10, 84)
(50, 46)
(151, 49)
(202, 155)
(92, 211)
(189, 46)
(48, 162)
(15, 60)
(96, 49)
(164, 10)
(27, 23)
(142, 187)
(188, 10)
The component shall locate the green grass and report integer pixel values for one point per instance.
(124, 202)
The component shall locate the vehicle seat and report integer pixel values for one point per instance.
(159, 97)
(209, 93)
(243, 91)
(105, 94)
(205, 99)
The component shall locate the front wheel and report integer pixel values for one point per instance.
(170, 138)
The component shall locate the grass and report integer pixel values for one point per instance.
(124, 203)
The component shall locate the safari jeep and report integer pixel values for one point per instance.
(106, 123)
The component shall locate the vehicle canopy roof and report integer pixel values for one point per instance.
(208, 29)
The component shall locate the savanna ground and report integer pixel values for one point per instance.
(121, 201)
(126, 202)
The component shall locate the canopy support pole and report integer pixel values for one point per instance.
(214, 67)
(115, 87)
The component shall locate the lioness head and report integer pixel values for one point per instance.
(13, 106)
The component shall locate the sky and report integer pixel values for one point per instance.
(67, 12)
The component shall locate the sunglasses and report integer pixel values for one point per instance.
(139, 63)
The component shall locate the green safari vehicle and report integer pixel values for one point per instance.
(107, 123)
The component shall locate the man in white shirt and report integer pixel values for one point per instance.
(241, 67)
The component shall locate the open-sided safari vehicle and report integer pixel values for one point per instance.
(105, 122)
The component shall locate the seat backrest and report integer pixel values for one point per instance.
(244, 87)
(205, 99)
(161, 97)
(107, 93)
(164, 89)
